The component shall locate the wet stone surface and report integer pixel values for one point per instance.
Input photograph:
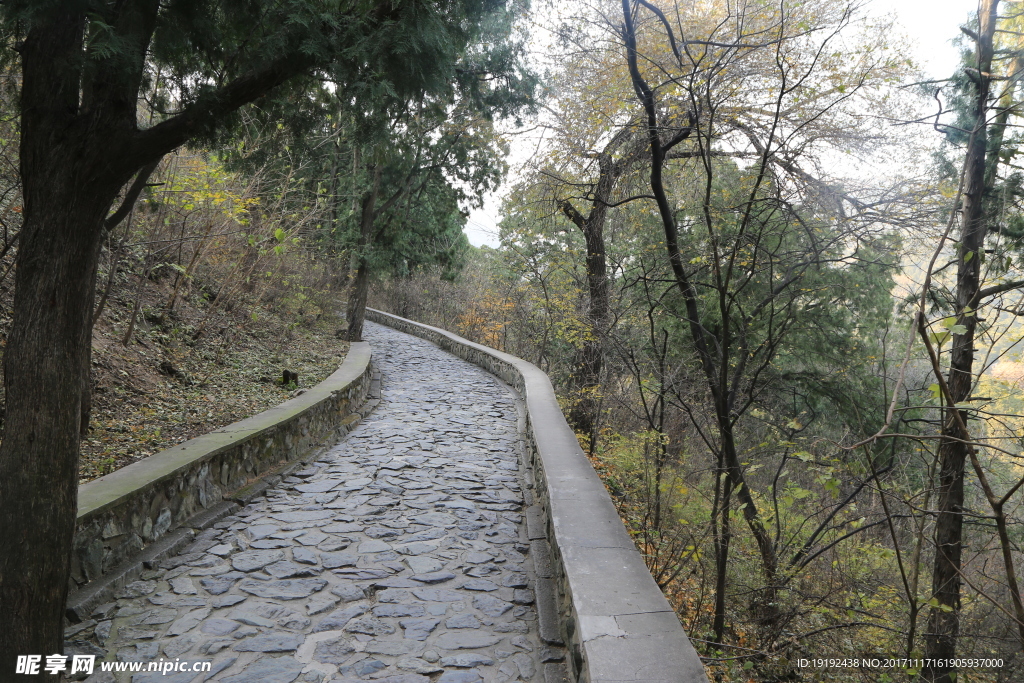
(397, 556)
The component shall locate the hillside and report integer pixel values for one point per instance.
(167, 386)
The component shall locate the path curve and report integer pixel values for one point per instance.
(398, 556)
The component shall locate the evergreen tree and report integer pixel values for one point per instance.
(92, 119)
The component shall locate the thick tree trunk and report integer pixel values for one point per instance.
(585, 378)
(589, 359)
(67, 188)
(944, 621)
(356, 312)
(79, 145)
(46, 365)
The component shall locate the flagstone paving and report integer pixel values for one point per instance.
(399, 555)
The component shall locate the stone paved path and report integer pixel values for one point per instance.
(399, 555)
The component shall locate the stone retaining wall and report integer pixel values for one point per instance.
(611, 614)
(122, 513)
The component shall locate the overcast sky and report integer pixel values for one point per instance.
(930, 24)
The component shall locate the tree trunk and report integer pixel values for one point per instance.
(588, 361)
(722, 534)
(46, 366)
(585, 377)
(80, 145)
(714, 352)
(764, 605)
(356, 312)
(944, 621)
(68, 188)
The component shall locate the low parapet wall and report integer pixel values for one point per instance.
(125, 515)
(611, 614)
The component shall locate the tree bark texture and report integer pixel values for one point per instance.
(617, 158)
(80, 145)
(944, 621)
(356, 311)
(585, 377)
(68, 189)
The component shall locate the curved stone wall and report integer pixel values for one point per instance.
(610, 612)
(152, 506)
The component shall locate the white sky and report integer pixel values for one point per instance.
(930, 24)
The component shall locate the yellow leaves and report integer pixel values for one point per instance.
(484, 320)
(196, 184)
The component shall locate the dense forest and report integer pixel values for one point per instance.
(774, 274)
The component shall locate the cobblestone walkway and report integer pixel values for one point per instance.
(397, 556)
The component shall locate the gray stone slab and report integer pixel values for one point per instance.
(270, 543)
(466, 659)
(399, 610)
(284, 589)
(218, 585)
(251, 619)
(287, 570)
(424, 565)
(434, 519)
(338, 559)
(259, 531)
(336, 651)
(433, 577)
(417, 548)
(338, 619)
(187, 622)
(321, 603)
(418, 629)
(479, 585)
(304, 556)
(490, 605)
(397, 582)
(348, 592)
(535, 522)
(226, 601)
(178, 646)
(270, 642)
(319, 486)
(464, 620)
(182, 585)
(439, 595)
(268, 669)
(547, 612)
(556, 672)
(370, 626)
(302, 515)
(393, 648)
(374, 546)
(514, 580)
(312, 538)
(218, 626)
(251, 560)
(466, 640)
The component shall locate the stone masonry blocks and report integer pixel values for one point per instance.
(123, 512)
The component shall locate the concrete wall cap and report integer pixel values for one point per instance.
(627, 631)
(103, 493)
